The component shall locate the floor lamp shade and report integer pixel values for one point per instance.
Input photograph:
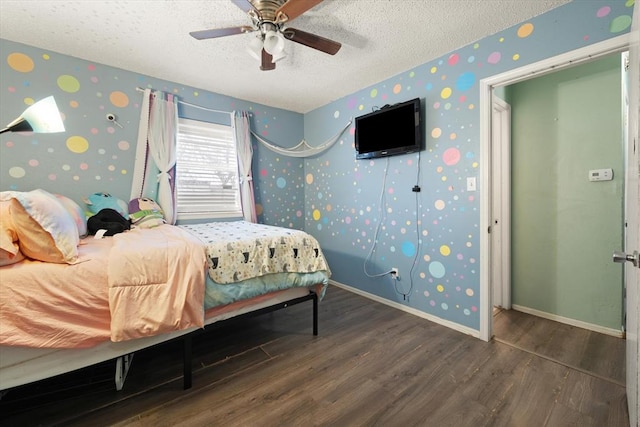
(41, 117)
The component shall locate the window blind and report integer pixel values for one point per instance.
(206, 171)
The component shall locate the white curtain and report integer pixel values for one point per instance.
(245, 155)
(157, 142)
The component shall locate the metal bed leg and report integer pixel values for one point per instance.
(123, 363)
(187, 362)
(315, 314)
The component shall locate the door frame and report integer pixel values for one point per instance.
(589, 53)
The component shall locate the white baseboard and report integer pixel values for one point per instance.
(568, 321)
(452, 325)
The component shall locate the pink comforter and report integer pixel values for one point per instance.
(131, 285)
(156, 282)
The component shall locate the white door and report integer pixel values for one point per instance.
(632, 217)
(501, 203)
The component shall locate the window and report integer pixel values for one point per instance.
(206, 171)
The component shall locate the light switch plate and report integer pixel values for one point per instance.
(471, 183)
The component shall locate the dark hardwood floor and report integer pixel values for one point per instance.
(371, 365)
(591, 352)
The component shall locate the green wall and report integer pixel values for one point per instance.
(564, 227)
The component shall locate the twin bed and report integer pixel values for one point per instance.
(142, 287)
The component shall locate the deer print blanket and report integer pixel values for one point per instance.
(241, 250)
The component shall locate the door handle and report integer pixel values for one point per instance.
(622, 257)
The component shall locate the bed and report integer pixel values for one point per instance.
(114, 298)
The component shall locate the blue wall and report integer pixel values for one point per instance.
(95, 155)
(332, 196)
(439, 229)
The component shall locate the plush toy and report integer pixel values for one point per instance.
(98, 201)
(110, 220)
(145, 213)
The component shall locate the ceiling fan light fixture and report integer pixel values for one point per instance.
(273, 43)
(278, 56)
(255, 48)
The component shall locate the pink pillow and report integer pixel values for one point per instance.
(9, 249)
(45, 229)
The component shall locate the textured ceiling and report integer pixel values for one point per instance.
(380, 38)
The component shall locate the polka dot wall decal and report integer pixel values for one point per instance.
(525, 30)
(397, 88)
(445, 250)
(119, 99)
(471, 59)
(33, 163)
(440, 288)
(603, 11)
(453, 59)
(436, 132)
(436, 269)
(494, 58)
(630, 3)
(620, 23)
(336, 114)
(68, 83)
(281, 182)
(17, 172)
(408, 249)
(444, 306)
(445, 93)
(439, 204)
(309, 179)
(516, 56)
(20, 62)
(451, 156)
(316, 215)
(434, 69)
(374, 93)
(465, 81)
(28, 101)
(77, 144)
(45, 57)
(469, 292)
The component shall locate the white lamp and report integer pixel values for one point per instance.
(255, 48)
(41, 117)
(273, 43)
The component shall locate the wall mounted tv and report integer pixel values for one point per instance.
(393, 129)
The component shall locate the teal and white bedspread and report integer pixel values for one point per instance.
(247, 259)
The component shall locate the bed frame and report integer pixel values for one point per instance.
(21, 365)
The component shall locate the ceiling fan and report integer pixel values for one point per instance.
(269, 17)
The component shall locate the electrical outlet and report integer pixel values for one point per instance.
(395, 273)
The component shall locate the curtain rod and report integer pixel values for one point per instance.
(139, 89)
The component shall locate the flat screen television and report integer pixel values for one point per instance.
(391, 130)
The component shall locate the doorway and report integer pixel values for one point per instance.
(565, 167)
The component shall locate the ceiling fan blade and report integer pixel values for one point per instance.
(267, 61)
(245, 5)
(294, 8)
(220, 32)
(312, 40)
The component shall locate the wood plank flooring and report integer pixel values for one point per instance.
(371, 365)
(594, 353)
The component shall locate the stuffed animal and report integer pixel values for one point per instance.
(110, 220)
(98, 201)
(145, 213)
